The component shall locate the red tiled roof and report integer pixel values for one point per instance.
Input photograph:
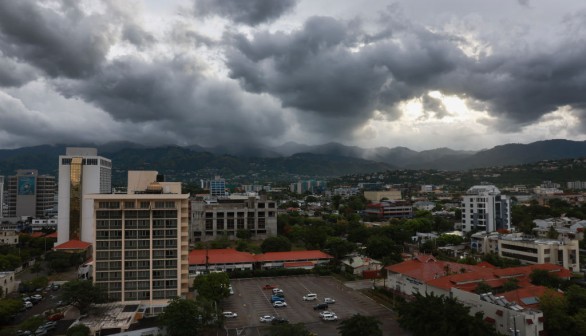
(293, 255)
(224, 256)
(526, 270)
(297, 264)
(73, 245)
(485, 264)
(527, 292)
(219, 256)
(52, 235)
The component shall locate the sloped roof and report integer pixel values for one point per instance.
(293, 255)
(52, 235)
(523, 296)
(73, 245)
(467, 277)
(231, 256)
(220, 256)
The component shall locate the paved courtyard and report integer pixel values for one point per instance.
(250, 302)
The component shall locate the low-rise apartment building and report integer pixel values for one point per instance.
(389, 209)
(8, 237)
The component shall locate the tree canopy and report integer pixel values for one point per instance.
(360, 325)
(82, 294)
(298, 329)
(442, 316)
(181, 317)
(213, 286)
(276, 244)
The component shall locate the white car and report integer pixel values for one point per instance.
(310, 297)
(329, 300)
(329, 317)
(267, 318)
(37, 297)
(277, 291)
(229, 314)
(279, 304)
(326, 312)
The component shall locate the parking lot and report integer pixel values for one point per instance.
(250, 302)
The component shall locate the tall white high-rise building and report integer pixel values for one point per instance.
(81, 172)
(485, 209)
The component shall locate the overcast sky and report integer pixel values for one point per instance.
(464, 74)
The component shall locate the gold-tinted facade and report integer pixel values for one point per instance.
(75, 192)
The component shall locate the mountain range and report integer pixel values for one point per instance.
(331, 159)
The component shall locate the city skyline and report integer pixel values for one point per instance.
(420, 74)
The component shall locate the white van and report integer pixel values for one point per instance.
(310, 297)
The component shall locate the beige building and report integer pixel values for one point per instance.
(215, 217)
(377, 196)
(8, 237)
(565, 253)
(7, 283)
(141, 241)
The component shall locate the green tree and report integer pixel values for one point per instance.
(511, 284)
(276, 244)
(8, 307)
(243, 234)
(482, 288)
(213, 286)
(442, 316)
(78, 330)
(298, 329)
(544, 278)
(360, 325)
(82, 294)
(339, 248)
(180, 318)
(379, 247)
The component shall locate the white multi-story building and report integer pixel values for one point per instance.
(141, 241)
(81, 172)
(485, 209)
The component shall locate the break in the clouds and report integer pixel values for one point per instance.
(394, 73)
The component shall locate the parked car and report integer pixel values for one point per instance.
(37, 297)
(279, 320)
(231, 290)
(281, 294)
(229, 314)
(330, 317)
(326, 312)
(276, 298)
(23, 333)
(28, 304)
(329, 300)
(310, 297)
(277, 291)
(320, 306)
(279, 304)
(267, 286)
(50, 325)
(40, 331)
(56, 317)
(267, 318)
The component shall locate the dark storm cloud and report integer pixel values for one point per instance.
(173, 97)
(250, 12)
(326, 68)
(65, 43)
(331, 69)
(63, 40)
(13, 73)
